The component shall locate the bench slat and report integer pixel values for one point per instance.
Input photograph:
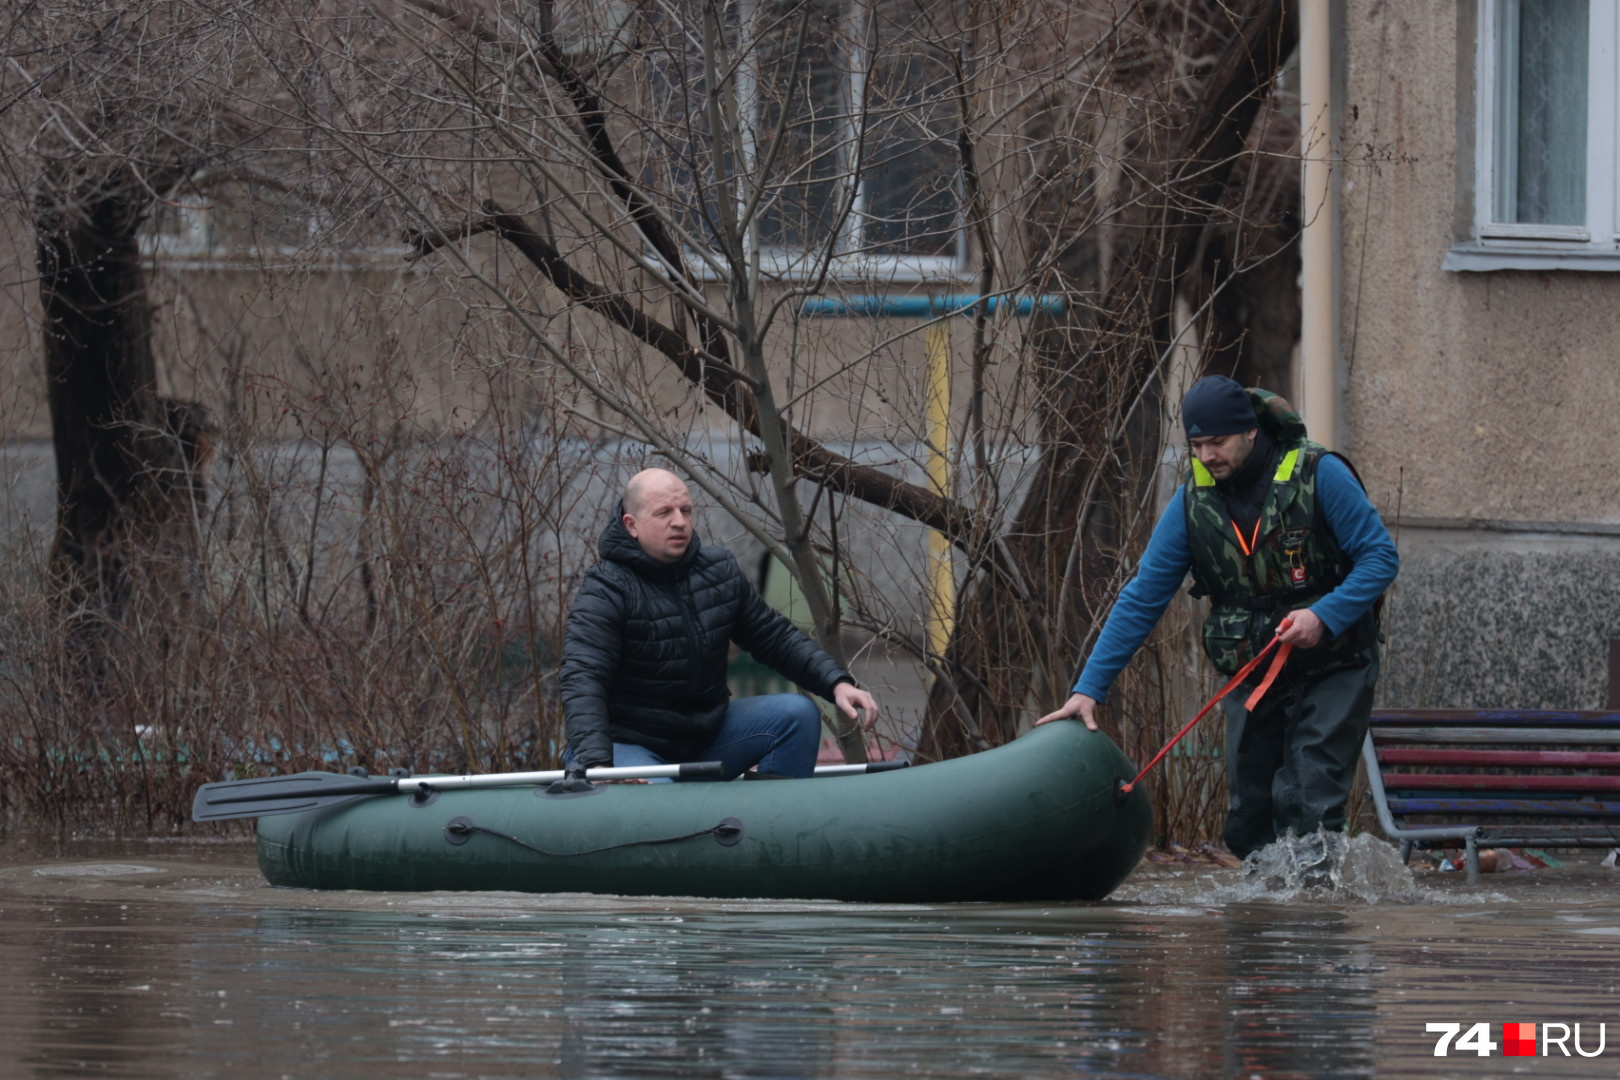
(1478, 717)
(1527, 807)
(1498, 782)
(1572, 759)
(1531, 835)
(1574, 736)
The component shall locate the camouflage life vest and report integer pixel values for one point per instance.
(1293, 562)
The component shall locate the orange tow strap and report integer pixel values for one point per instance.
(1254, 698)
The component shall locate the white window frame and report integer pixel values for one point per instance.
(192, 245)
(849, 262)
(1594, 245)
(194, 239)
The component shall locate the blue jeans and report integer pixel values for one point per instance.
(778, 733)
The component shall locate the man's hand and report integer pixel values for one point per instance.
(1306, 630)
(1078, 705)
(856, 704)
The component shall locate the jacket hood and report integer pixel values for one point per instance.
(617, 545)
(1276, 417)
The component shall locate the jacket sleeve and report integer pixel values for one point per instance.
(1361, 533)
(775, 642)
(592, 642)
(1140, 605)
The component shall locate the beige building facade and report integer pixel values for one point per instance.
(1479, 210)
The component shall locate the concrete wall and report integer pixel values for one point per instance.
(1482, 408)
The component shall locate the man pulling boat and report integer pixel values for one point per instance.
(1281, 536)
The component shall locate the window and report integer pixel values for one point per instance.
(210, 221)
(847, 128)
(1547, 137)
(226, 221)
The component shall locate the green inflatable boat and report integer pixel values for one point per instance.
(1038, 819)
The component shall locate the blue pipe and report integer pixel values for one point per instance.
(922, 307)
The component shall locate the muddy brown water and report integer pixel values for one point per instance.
(175, 959)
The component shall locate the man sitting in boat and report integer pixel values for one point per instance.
(644, 657)
(1272, 526)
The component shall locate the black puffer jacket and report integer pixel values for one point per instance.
(644, 659)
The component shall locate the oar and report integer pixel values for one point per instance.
(306, 791)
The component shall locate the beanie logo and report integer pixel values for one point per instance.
(1195, 430)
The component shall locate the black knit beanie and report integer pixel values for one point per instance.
(1217, 405)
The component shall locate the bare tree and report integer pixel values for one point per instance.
(627, 215)
(689, 173)
(1185, 82)
(109, 109)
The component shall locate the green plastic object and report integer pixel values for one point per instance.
(1036, 820)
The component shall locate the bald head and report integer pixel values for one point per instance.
(647, 481)
(658, 513)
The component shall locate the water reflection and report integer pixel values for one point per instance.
(93, 969)
(1299, 1000)
(208, 973)
(1256, 991)
(696, 996)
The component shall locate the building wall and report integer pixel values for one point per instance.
(308, 367)
(1481, 407)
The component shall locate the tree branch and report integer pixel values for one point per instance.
(722, 384)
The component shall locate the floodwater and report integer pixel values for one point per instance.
(174, 959)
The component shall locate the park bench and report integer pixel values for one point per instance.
(1495, 778)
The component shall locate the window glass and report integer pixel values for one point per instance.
(1541, 94)
(910, 190)
(800, 121)
(232, 218)
(848, 120)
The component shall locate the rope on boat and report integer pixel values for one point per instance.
(1123, 788)
(461, 829)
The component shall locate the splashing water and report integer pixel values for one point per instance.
(1327, 864)
(1322, 867)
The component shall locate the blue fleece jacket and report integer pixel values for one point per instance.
(1167, 561)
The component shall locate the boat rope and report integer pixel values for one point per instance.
(461, 829)
(1231, 684)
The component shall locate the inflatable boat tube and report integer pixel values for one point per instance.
(1039, 819)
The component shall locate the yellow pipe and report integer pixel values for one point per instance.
(941, 572)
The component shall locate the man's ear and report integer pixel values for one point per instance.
(629, 524)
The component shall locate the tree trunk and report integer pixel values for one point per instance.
(1247, 288)
(1018, 633)
(126, 458)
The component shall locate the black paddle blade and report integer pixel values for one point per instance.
(282, 795)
